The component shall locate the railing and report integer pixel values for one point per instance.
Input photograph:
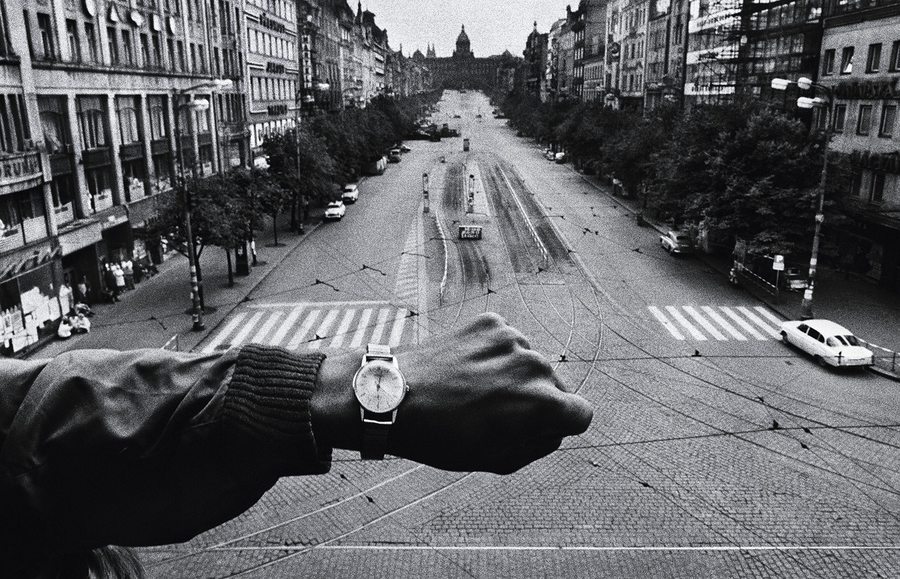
(883, 358)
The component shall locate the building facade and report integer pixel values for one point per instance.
(666, 50)
(536, 53)
(463, 70)
(594, 58)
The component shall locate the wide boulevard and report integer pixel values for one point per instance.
(715, 450)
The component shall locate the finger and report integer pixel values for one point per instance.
(566, 414)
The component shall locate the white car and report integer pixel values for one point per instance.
(676, 242)
(350, 193)
(335, 210)
(827, 342)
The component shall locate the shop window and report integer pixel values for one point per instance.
(828, 62)
(876, 190)
(113, 44)
(873, 61)
(847, 60)
(127, 113)
(92, 122)
(158, 126)
(54, 123)
(840, 117)
(45, 27)
(90, 35)
(864, 121)
(888, 118)
(74, 41)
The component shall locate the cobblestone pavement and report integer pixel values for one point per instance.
(706, 458)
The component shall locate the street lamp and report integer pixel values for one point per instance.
(193, 105)
(425, 192)
(826, 104)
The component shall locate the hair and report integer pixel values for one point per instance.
(104, 563)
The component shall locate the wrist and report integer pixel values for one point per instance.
(333, 407)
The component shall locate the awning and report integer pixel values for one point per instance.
(16, 264)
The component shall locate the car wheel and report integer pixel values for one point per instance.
(819, 360)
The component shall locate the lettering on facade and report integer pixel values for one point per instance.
(275, 67)
(867, 89)
(887, 162)
(17, 167)
(277, 110)
(271, 24)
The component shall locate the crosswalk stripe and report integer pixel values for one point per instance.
(379, 326)
(342, 329)
(742, 323)
(288, 323)
(245, 331)
(226, 331)
(397, 330)
(662, 319)
(322, 332)
(756, 320)
(308, 322)
(723, 323)
(361, 328)
(705, 323)
(266, 328)
(685, 324)
(769, 316)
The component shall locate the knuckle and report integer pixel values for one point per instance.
(491, 320)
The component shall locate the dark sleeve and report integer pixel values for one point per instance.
(148, 447)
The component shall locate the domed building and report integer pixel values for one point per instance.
(463, 70)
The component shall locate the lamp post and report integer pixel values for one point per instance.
(826, 104)
(425, 192)
(193, 106)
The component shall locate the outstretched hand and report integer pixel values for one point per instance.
(479, 399)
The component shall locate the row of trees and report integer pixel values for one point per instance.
(306, 168)
(740, 170)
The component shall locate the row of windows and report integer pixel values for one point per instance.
(272, 89)
(284, 9)
(795, 12)
(262, 42)
(634, 49)
(871, 185)
(873, 59)
(865, 120)
(260, 131)
(633, 82)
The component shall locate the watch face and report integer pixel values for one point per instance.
(379, 386)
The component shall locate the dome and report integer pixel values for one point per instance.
(463, 48)
(463, 38)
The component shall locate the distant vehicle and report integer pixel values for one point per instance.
(795, 279)
(560, 158)
(550, 155)
(335, 211)
(350, 194)
(394, 156)
(827, 342)
(404, 149)
(676, 242)
(377, 166)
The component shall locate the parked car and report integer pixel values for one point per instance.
(676, 242)
(404, 149)
(795, 279)
(350, 194)
(394, 156)
(335, 210)
(560, 158)
(550, 155)
(827, 342)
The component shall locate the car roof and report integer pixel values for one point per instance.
(827, 327)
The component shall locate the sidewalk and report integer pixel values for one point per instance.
(870, 311)
(154, 314)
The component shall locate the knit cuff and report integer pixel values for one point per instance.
(267, 405)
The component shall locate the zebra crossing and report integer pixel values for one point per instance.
(722, 323)
(315, 325)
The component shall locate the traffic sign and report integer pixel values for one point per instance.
(778, 263)
(470, 232)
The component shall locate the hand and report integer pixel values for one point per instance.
(479, 399)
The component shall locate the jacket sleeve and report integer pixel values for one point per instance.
(148, 447)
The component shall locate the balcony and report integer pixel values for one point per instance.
(21, 234)
(20, 171)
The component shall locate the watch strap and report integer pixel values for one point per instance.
(376, 428)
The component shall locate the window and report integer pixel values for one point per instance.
(54, 123)
(157, 107)
(840, 117)
(856, 184)
(113, 45)
(127, 48)
(894, 64)
(828, 62)
(126, 111)
(865, 120)
(90, 35)
(873, 62)
(74, 41)
(847, 60)
(193, 57)
(181, 62)
(876, 189)
(170, 45)
(888, 117)
(4, 36)
(46, 29)
(28, 34)
(157, 50)
(91, 121)
(145, 51)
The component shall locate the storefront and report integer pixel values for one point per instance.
(32, 298)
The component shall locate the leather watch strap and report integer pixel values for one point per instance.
(376, 428)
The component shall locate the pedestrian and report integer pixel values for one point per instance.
(128, 271)
(152, 447)
(64, 331)
(120, 279)
(82, 288)
(109, 278)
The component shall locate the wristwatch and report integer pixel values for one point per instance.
(380, 388)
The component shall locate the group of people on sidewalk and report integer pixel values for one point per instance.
(119, 277)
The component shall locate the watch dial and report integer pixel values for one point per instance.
(380, 386)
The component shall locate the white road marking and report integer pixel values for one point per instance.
(304, 329)
(322, 332)
(266, 328)
(769, 316)
(756, 320)
(226, 331)
(245, 331)
(742, 323)
(662, 319)
(397, 330)
(288, 323)
(379, 326)
(316, 304)
(673, 311)
(343, 328)
(361, 328)
(549, 548)
(705, 323)
(722, 322)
